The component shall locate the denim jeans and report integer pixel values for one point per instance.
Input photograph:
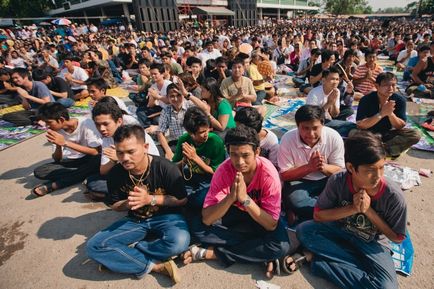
(238, 238)
(341, 126)
(97, 183)
(66, 102)
(197, 188)
(111, 247)
(346, 260)
(260, 96)
(300, 196)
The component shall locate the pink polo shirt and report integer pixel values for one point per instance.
(264, 189)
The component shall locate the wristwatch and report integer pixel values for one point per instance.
(246, 202)
(187, 97)
(153, 201)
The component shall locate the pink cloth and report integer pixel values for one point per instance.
(264, 189)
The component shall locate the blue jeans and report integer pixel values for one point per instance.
(110, 247)
(341, 126)
(66, 102)
(346, 260)
(301, 196)
(260, 96)
(97, 183)
(197, 188)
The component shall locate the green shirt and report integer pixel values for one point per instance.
(223, 108)
(212, 152)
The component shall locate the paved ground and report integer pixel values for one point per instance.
(42, 240)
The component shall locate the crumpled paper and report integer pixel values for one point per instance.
(261, 284)
(406, 177)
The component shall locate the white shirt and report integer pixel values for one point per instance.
(128, 120)
(78, 74)
(318, 97)
(402, 55)
(162, 91)
(85, 134)
(270, 147)
(205, 55)
(294, 153)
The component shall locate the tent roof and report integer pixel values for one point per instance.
(209, 10)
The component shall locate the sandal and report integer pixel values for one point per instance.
(171, 270)
(292, 266)
(197, 253)
(44, 189)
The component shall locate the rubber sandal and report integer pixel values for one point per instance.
(48, 189)
(294, 265)
(197, 253)
(171, 270)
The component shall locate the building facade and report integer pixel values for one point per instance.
(237, 12)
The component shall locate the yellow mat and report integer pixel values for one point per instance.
(10, 109)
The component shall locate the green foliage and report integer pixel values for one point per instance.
(24, 8)
(340, 7)
(421, 7)
(392, 10)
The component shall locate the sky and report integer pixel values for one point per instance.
(388, 3)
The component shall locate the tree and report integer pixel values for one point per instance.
(24, 8)
(340, 7)
(421, 7)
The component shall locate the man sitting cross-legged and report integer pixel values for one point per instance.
(198, 153)
(240, 216)
(152, 189)
(108, 117)
(76, 154)
(307, 156)
(354, 214)
(384, 112)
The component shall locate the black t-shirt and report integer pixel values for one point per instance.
(164, 179)
(316, 70)
(369, 106)
(58, 84)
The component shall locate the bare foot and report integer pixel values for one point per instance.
(187, 257)
(270, 270)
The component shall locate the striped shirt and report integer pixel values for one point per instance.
(366, 86)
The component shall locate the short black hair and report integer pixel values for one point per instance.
(39, 74)
(127, 131)
(108, 108)
(364, 148)
(53, 110)
(424, 48)
(326, 55)
(238, 60)
(98, 82)
(145, 62)
(315, 51)
(332, 69)
(349, 53)
(308, 113)
(370, 51)
(21, 72)
(194, 118)
(192, 60)
(158, 66)
(242, 135)
(384, 76)
(4, 71)
(249, 116)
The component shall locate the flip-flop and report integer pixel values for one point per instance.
(294, 265)
(197, 253)
(47, 186)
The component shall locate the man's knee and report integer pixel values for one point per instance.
(41, 172)
(177, 241)
(304, 231)
(413, 136)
